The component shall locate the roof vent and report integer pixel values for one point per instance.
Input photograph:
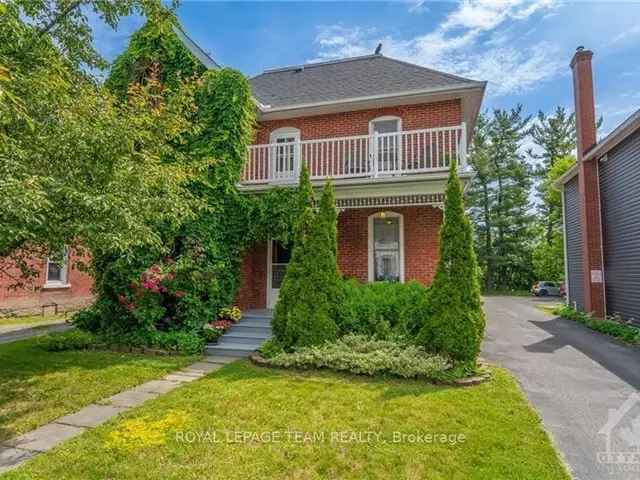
(378, 49)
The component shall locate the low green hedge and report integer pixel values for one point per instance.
(363, 355)
(382, 309)
(187, 343)
(75, 339)
(622, 331)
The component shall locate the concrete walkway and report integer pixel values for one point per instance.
(574, 377)
(17, 450)
(25, 332)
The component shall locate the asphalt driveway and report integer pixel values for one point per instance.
(572, 376)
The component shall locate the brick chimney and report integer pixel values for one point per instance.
(592, 257)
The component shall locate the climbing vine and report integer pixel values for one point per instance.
(154, 44)
(182, 284)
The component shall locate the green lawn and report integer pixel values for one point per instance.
(503, 435)
(548, 308)
(37, 386)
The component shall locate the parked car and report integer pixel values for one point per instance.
(544, 288)
(563, 290)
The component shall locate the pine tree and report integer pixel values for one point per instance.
(328, 235)
(555, 136)
(479, 196)
(454, 321)
(499, 199)
(305, 191)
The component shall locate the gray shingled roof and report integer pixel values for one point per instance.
(345, 79)
(195, 49)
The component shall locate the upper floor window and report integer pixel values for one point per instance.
(58, 270)
(386, 124)
(284, 152)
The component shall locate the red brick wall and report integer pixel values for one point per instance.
(420, 232)
(253, 278)
(421, 242)
(33, 295)
(421, 246)
(414, 117)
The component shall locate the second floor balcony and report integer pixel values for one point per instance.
(372, 156)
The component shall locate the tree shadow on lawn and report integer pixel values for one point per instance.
(75, 379)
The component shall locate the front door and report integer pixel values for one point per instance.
(279, 256)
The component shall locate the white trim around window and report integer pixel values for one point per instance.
(59, 272)
(385, 118)
(284, 132)
(371, 259)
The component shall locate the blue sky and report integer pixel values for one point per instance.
(522, 48)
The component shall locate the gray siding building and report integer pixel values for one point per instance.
(573, 245)
(618, 167)
(620, 199)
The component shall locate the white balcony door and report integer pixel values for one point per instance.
(385, 148)
(279, 256)
(284, 152)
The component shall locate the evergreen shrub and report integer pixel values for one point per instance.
(453, 320)
(311, 290)
(383, 309)
(363, 355)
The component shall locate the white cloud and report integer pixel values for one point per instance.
(514, 71)
(488, 14)
(468, 42)
(627, 34)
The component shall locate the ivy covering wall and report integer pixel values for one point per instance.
(154, 44)
(185, 282)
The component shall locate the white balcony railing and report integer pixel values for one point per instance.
(388, 154)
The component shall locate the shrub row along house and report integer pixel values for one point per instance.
(601, 204)
(385, 131)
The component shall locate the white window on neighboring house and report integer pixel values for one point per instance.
(58, 271)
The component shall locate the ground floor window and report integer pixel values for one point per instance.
(57, 270)
(386, 247)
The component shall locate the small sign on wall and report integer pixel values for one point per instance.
(596, 276)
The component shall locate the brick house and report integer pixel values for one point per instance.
(601, 209)
(61, 284)
(383, 130)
